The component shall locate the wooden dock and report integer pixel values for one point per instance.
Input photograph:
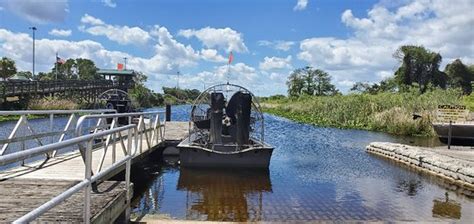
(26, 187)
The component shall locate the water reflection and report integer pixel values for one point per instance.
(410, 186)
(224, 195)
(446, 208)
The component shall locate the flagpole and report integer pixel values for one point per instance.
(231, 58)
(228, 72)
(56, 66)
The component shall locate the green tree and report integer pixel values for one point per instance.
(310, 81)
(86, 69)
(296, 82)
(7, 68)
(322, 83)
(460, 76)
(26, 74)
(80, 68)
(387, 85)
(420, 66)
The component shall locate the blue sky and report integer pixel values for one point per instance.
(351, 40)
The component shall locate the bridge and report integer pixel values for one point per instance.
(85, 89)
(75, 165)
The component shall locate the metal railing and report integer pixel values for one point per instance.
(86, 184)
(141, 128)
(17, 88)
(39, 136)
(150, 128)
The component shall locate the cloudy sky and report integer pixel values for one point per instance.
(353, 40)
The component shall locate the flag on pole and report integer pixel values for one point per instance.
(59, 60)
(119, 66)
(231, 57)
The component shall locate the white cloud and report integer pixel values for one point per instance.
(212, 55)
(172, 52)
(121, 34)
(441, 26)
(38, 11)
(225, 38)
(60, 33)
(169, 54)
(300, 5)
(271, 63)
(277, 45)
(109, 3)
(88, 19)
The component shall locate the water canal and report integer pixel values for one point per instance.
(315, 174)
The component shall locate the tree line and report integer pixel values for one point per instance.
(71, 69)
(420, 68)
(85, 69)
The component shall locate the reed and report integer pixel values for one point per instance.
(52, 103)
(386, 112)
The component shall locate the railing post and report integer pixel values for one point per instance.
(168, 112)
(114, 139)
(88, 189)
(51, 124)
(127, 174)
(450, 129)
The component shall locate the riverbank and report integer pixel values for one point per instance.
(386, 112)
(455, 165)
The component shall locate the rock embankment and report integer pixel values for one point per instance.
(442, 163)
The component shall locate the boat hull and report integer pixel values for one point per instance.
(461, 134)
(199, 157)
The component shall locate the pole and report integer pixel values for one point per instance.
(450, 129)
(228, 72)
(34, 29)
(177, 81)
(56, 65)
(168, 112)
(125, 63)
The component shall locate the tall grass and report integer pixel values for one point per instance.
(52, 103)
(386, 112)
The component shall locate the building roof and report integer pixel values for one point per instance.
(116, 72)
(19, 77)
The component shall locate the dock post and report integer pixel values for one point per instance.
(450, 129)
(168, 112)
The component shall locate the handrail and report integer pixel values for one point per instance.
(47, 112)
(89, 179)
(156, 128)
(23, 121)
(21, 155)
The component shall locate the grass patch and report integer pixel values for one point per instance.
(469, 101)
(386, 112)
(52, 103)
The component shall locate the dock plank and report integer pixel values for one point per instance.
(20, 196)
(176, 130)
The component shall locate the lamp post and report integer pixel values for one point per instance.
(34, 29)
(177, 80)
(125, 63)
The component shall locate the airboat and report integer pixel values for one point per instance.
(226, 129)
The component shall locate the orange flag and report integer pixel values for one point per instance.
(119, 66)
(231, 57)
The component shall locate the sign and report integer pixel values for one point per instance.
(453, 113)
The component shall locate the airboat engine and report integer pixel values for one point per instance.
(116, 99)
(216, 114)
